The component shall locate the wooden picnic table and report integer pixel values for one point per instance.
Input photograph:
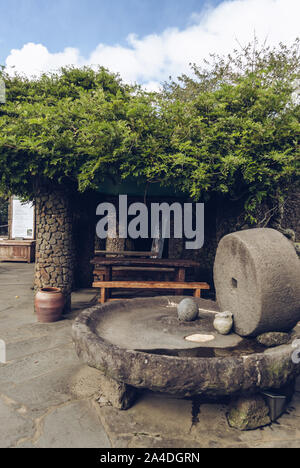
(179, 265)
(104, 266)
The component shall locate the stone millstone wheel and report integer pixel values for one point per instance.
(257, 278)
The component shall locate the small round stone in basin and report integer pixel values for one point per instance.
(187, 310)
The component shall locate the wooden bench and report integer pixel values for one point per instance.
(108, 285)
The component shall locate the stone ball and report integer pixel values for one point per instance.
(257, 278)
(187, 310)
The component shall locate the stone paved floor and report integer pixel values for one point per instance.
(49, 399)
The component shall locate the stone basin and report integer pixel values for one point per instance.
(141, 343)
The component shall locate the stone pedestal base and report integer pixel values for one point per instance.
(116, 394)
(248, 413)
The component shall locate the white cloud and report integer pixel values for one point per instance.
(152, 59)
(34, 59)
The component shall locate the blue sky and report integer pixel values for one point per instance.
(85, 23)
(144, 40)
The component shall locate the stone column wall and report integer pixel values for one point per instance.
(54, 243)
(115, 244)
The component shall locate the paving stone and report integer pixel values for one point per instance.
(121, 442)
(10, 320)
(239, 446)
(142, 441)
(158, 416)
(294, 406)
(75, 425)
(34, 329)
(43, 392)
(211, 417)
(37, 364)
(252, 437)
(27, 445)
(279, 432)
(288, 419)
(280, 444)
(13, 426)
(26, 347)
(212, 426)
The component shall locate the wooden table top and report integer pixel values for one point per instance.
(159, 262)
(17, 242)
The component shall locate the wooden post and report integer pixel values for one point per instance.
(180, 277)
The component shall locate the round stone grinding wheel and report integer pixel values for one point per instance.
(257, 278)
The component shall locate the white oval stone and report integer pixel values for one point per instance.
(198, 338)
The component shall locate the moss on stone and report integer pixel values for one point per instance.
(249, 413)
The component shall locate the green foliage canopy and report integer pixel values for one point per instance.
(232, 129)
(59, 127)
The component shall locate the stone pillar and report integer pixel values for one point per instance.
(54, 243)
(115, 244)
(175, 246)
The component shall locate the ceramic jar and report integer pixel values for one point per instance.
(223, 323)
(49, 304)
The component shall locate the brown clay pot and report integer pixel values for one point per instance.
(49, 304)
